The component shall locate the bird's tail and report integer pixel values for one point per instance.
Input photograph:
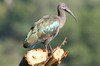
(30, 40)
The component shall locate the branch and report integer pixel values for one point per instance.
(40, 57)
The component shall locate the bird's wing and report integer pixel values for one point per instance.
(43, 29)
(47, 26)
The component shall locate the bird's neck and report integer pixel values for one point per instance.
(62, 15)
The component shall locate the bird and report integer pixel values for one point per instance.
(47, 28)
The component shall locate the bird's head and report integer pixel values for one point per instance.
(62, 6)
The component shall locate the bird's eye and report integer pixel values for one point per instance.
(63, 7)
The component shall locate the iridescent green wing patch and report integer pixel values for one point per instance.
(49, 28)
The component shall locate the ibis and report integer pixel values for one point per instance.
(47, 28)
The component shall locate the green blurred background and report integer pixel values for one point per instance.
(17, 16)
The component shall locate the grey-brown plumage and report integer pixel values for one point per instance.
(47, 28)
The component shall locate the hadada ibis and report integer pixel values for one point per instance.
(47, 28)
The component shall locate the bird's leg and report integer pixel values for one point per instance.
(48, 45)
(50, 48)
(35, 44)
(48, 41)
(45, 45)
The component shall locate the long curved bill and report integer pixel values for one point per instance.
(70, 12)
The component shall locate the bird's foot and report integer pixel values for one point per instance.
(50, 50)
(49, 53)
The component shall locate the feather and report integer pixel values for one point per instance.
(42, 30)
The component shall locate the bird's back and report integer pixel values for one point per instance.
(47, 26)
